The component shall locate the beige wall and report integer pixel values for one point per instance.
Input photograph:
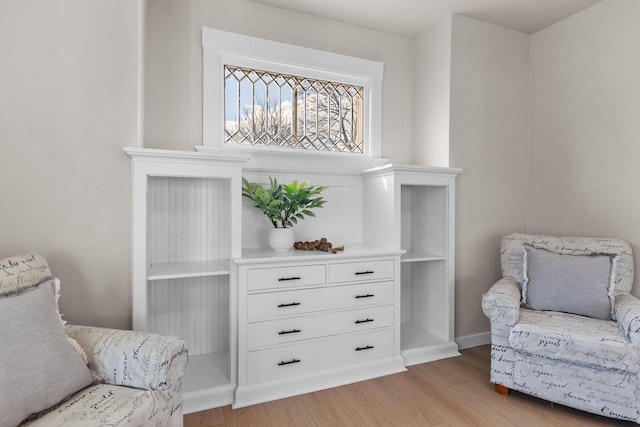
(585, 125)
(431, 101)
(473, 108)
(548, 143)
(174, 64)
(67, 107)
(489, 119)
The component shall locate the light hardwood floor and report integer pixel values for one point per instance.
(451, 392)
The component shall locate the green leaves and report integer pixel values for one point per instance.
(284, 204)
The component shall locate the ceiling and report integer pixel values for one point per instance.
(408, 17)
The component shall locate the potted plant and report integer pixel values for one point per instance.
(284, 205)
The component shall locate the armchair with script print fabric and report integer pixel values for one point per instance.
(53, 375)
(564, 326)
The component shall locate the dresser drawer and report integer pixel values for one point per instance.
(280, 277)
(363, 270)
(307, 357)
(262, 334)
(272, 305)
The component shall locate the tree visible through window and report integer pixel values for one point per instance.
(278, 110)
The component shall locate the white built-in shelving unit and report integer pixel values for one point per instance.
(412, 208)
(185, 232)
(197, 247)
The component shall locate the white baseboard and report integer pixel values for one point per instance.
(429, 353)
(201, 400)
(474, 340)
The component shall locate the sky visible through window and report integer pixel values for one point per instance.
(271, 109)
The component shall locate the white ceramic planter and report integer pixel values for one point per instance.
(281, 239)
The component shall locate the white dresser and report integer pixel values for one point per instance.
(309, 320)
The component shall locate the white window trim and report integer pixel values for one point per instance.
(222, 47)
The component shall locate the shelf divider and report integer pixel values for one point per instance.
(178, 270)
(415, 256)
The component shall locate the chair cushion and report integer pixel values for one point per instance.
(105, 405)
(511, 254)
(38, 365)
(571, 284)
(574, 339)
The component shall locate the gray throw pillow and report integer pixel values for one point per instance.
(38, 365)
(568, 283)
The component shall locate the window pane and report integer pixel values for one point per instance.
(276, 110)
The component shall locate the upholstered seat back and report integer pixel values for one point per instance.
(511, 254)
(21, 272)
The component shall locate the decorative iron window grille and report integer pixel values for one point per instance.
(269, 109)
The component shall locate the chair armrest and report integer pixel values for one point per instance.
(627, 312)
(502, 302)
(133, 359)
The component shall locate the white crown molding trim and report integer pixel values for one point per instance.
(287, 161)
(176, 155)
(389, 169)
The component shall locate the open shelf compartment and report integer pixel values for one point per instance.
(423, 222)
(188, 276)
(207, 370)
(426, 311)
(196, 309)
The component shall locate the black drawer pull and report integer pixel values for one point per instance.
(284, 279)
(288, 362)
(293, 331)
(291, 304)
(364, 321)
(369, 347)
(365, 296)
(358, 273)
